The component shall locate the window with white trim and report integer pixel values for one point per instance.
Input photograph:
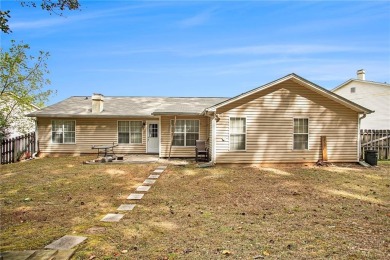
(301, 133)
(130, 132)
(186, 132)
(237, 133)
(63, 131)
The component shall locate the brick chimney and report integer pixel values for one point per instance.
(361, 74)
(97, 103)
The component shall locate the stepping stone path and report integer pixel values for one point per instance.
(143, 188)
(136, 196)
(112, 217)
(61, 249)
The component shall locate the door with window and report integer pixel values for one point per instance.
(153, 139)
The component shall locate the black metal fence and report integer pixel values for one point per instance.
(18, 148)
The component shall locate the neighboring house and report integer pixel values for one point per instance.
(370, 94)
(19, 124)
(282, 121)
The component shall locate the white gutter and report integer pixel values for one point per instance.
(213, 136)
(36, 139)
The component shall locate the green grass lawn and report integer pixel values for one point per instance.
(199, 213)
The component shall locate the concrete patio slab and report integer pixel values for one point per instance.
(143, 188)
(158, 171)
(153, 176)
(126, 207)
(17, 255)
(66, 242)
(163, 167)
(135, 196)
(112, 217)
(141, 158)
(147, 181)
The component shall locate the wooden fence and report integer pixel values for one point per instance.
(21, 147)
(378, 140)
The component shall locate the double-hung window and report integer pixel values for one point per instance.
(185, 132)
(301, 133)
(63, 131)
(237, 133)
(130, 132)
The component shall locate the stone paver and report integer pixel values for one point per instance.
(153, 176)
(158, 171)
(17, 255)
(162, 167)
(43, 254)
(66, 242)
(112, 217)
(147, 181)
(143, 188)
(126, 207)
(135, 196)
(64, 254)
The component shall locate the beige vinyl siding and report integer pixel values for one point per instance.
(89, 131)
(270, 120)
(373, 96)
(181, 151)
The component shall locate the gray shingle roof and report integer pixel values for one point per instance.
(77, 106)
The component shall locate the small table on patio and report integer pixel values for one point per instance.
(106, 148)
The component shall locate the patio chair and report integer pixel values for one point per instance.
(201, 151)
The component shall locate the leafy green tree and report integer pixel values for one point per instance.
(53, 6)
(22, 83)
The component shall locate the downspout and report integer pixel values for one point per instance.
(36, 139)
(213, 135)
(359, 137)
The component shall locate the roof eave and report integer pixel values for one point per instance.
(88, 116)
(176, 113)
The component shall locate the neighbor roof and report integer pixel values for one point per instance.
(361, 81)
(302, 82)
(80, 106)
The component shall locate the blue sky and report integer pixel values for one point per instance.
(204, 48)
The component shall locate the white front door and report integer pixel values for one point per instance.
(153, 141)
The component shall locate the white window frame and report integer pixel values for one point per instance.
(129, 121)
(308, 133)
(185, 131)
(246, 133)
(63, 131)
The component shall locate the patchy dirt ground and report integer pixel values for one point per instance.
(199, 213)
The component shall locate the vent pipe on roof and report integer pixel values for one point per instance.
(97, 103)
(361, 74)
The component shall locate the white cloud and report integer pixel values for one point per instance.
(196, 20)
(74, 16)
(279, 49)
